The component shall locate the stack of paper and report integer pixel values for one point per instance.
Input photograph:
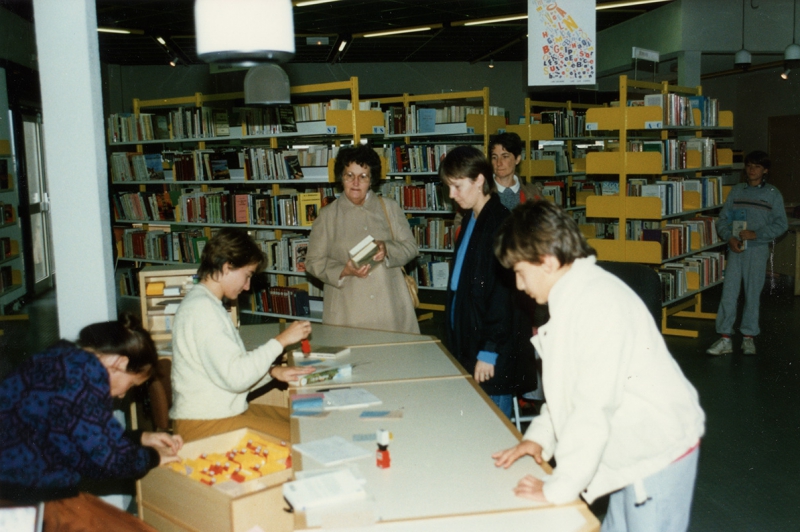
(330, 487)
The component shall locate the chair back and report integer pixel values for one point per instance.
(160, 393)
(641, 279)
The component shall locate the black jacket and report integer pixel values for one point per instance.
(489, 312)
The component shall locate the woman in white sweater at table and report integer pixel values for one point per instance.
(212, 371)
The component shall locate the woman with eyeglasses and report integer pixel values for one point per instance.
(374, 295)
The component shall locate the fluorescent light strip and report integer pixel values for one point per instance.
(341, 46)
(612, 5)
(495, 19)
(313, 2)
(161, 40)
(395, 32)
(113, 30)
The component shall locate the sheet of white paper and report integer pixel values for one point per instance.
(331, 451)
(342, 398)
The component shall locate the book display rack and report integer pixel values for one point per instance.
(659, 214)
(181, 171)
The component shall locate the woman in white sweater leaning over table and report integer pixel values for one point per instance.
(212, 371)
(620, 416)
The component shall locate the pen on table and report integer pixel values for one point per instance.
(331, 389)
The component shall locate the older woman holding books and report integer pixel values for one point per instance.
(371, 294)
(487, 328)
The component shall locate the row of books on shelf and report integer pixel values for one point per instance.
(671, 191)
(413, 119)
(674, 152)
(677, 109)
(417, 158)
(566, 122)
(160, 244)
(287, 253)
(9, 278)
(307, 112)
(286, 300)
(433, 233)
(556, 152)
(180, 123)
(6, 181)
(8, 247)
(432, 196)
(127, 279)
(6, 213)
(693, 273)
(432, 271)
(218, 206)
(273, 164)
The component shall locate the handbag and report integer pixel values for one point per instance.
(411, 283)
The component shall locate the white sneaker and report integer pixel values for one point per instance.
(748, 346)
(723, 346)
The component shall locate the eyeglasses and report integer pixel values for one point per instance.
(349, 177)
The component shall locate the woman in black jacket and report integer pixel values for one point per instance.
(487, 330)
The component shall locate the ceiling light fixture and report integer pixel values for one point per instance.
(612, 5)
(491, 63)
(305, 3)
(161, 41)
(398, 31)
(490, 20)
(742, 59)
(343, 45)
(173, 62)
(123, 31)
(785, 73)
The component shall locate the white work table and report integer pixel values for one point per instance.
(441, 462)
(388, 363)
(255, 335)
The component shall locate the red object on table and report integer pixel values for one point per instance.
(305, 345)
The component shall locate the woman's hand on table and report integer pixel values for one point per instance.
(530, 487)
(290, 373)
(505, 458)
(350, 269)
(298, 330)
(167, 445)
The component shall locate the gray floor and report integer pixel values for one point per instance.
(749, 465)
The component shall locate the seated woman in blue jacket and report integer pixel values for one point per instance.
(57, 426)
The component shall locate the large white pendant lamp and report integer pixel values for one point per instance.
(250, 33)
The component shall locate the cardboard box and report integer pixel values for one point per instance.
(172, 502)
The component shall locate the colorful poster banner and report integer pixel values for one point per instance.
(562, 46)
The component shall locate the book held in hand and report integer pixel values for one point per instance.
(324, 351)
(363, 252)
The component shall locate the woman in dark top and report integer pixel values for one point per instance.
(487, 331)
(57, 426)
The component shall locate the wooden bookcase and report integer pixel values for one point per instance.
(162, 289)
(338, 126)
(640, 120)
(12, 284)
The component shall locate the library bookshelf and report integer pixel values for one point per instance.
(421, 129)
(672, 230)
(168, 220)
(12, 266)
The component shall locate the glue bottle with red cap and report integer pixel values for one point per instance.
(382, 458)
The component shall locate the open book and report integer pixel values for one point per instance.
(363, 252)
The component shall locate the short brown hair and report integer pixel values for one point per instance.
(467, 162)
(536, 229)
(125, 337)
(361, 154)
(233, 246)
